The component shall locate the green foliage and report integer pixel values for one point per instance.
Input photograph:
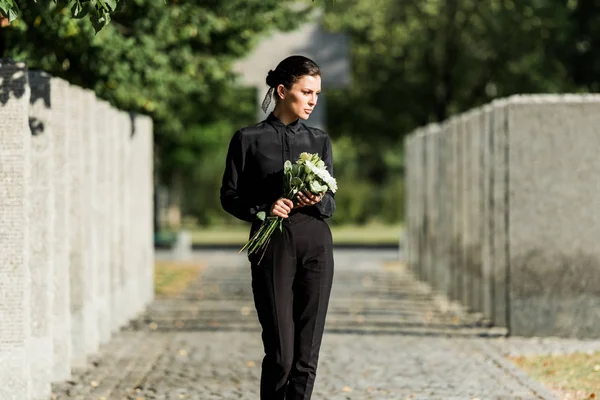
(170, 60)
(413, 62)
(419, 61)
(98, 11)
(203, 182)
(367, 195)
(9, 9)
(416, 62)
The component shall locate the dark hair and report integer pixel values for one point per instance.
(291, 70)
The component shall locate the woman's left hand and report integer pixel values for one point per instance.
(308, 199)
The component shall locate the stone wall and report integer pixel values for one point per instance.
(15, 231)
(502, 212)
(76, 249)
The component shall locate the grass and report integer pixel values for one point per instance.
(373, 234)
(172, 278)
(572, 376)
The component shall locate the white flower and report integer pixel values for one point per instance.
(305, 156)
(316, 187)
(324, 175)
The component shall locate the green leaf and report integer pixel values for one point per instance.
(9, 9)
(297, 182)
(5, 5)
(295, 169)
(100, 21)
(13, 13)
(77, 10)
(112, 4)
(261, 215)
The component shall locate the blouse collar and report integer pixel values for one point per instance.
(276, 122)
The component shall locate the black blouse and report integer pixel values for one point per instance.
(253, 177)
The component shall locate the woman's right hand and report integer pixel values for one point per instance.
(282, 207)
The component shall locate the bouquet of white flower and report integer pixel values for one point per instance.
(307, 174)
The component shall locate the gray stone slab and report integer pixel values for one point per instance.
(521, 191)
(487, 271)
(474, 251)
(61, 322)
(434, 233)
(120, 208)
(415, 216)
(444, 255)
(406, 237)
(423, 216)
(42, 215)
(417, 202)
(410, 193)
(79, 278)
(15, 279)
(467, 207)
(456, 171)
(499, 212)
(147, 130)
(90, 220)
(554, 220)
(420, 203)
(407, 190)
(433, 202)
(116, 294)
(462, 293)
(103, 227)
(440, 267)
(137, 206)
(127, 244)
(429, 207)
(143, 199)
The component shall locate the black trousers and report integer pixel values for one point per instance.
(291, 287)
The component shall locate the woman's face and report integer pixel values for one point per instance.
(302, 97)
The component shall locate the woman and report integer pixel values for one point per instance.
(292, 283)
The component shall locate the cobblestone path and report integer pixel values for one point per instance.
(386, 338)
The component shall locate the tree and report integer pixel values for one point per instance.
(416, 62)
(170, 60)
(98, 11)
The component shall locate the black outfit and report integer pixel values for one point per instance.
(292, 283)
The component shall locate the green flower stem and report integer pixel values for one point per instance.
(253, 238)
(262, 237)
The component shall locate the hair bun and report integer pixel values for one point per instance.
(272, 78)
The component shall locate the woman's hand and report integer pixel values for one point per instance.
(282, 207)
(308, 199)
